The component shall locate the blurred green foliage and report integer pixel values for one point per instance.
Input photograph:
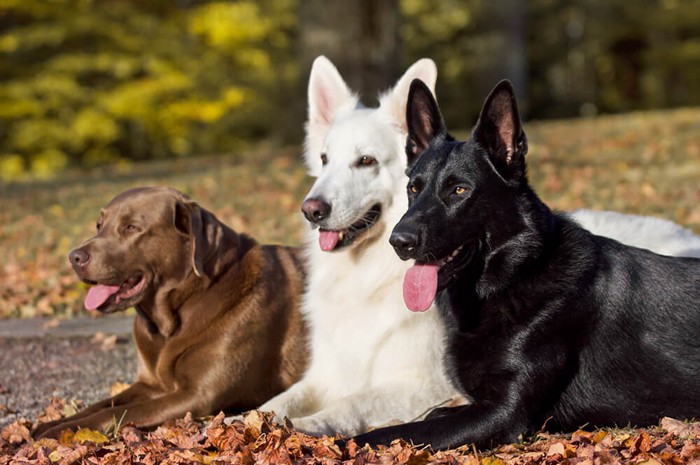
(580, 57)
(88, 82)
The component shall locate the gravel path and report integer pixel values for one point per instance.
(40, 360)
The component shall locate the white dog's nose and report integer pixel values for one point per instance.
(315, 209)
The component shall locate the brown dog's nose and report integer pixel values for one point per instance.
(78, 258)
(315, 209)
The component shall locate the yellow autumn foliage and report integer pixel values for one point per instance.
(87, 83)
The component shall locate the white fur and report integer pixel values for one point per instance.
(372, 360)
(662, 236)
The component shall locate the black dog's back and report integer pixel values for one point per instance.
(641, 358)
(547, 324)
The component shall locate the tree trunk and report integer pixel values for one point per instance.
(506, 54)
(359, 36)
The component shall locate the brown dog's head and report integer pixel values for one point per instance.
(147, 239)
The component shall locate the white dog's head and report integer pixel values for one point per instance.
(357, 154)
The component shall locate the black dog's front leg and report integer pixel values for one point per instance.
(484, 426)
(512, 395)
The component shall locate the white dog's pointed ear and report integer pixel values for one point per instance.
(395, 100)
(327, 92)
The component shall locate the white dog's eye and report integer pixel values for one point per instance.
(366, 160)
(324, 159)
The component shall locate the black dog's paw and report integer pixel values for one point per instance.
(342, 443)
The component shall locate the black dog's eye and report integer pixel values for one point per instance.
(366, 160)
(459, 190)
(324, 159)
(413, 188)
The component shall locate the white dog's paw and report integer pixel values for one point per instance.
(319, 425)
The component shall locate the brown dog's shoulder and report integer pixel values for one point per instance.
(285, 259)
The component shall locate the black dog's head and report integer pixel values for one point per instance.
(461, 194)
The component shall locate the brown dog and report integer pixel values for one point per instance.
(217, 325)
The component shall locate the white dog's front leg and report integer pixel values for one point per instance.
(379, 406)
(299, 400)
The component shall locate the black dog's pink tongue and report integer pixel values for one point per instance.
(97, 295)
(420, 286)
(328, 240)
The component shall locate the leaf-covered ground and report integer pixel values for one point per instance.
(645, 163)
(257, 440)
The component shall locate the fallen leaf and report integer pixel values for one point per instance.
(118, 388)
(89, 435)
(639, 444)
(679, 428)
(16, 432)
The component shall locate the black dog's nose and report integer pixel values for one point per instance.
(403, 242)
(315, 209)
(78, 258)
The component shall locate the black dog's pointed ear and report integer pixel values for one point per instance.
(500, 131)
(423, 119)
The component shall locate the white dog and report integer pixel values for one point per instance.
(372, 361)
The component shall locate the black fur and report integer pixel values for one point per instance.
(548, 324)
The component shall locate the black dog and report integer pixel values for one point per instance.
(547, 323)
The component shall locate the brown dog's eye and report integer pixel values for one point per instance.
(98, 226)
(324, 159)
(366, 160)
(130, 228)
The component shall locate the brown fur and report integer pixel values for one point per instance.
(217, 325)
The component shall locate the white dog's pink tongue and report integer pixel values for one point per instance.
(97, 295)
(420, 286)
(328, 240)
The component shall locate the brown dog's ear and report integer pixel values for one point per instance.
(194, 222)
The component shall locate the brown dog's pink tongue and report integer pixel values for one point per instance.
(97, 295)
(328, 240)
(420, 286)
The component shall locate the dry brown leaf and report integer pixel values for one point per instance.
(54, 411)
(16, 432)
(680, 428)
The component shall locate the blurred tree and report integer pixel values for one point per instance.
(360, 37)
(90, 82)
(592, 56)
(506, 53)
(450, 33)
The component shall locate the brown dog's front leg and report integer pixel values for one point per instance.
(135, 393)
(146, 413)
